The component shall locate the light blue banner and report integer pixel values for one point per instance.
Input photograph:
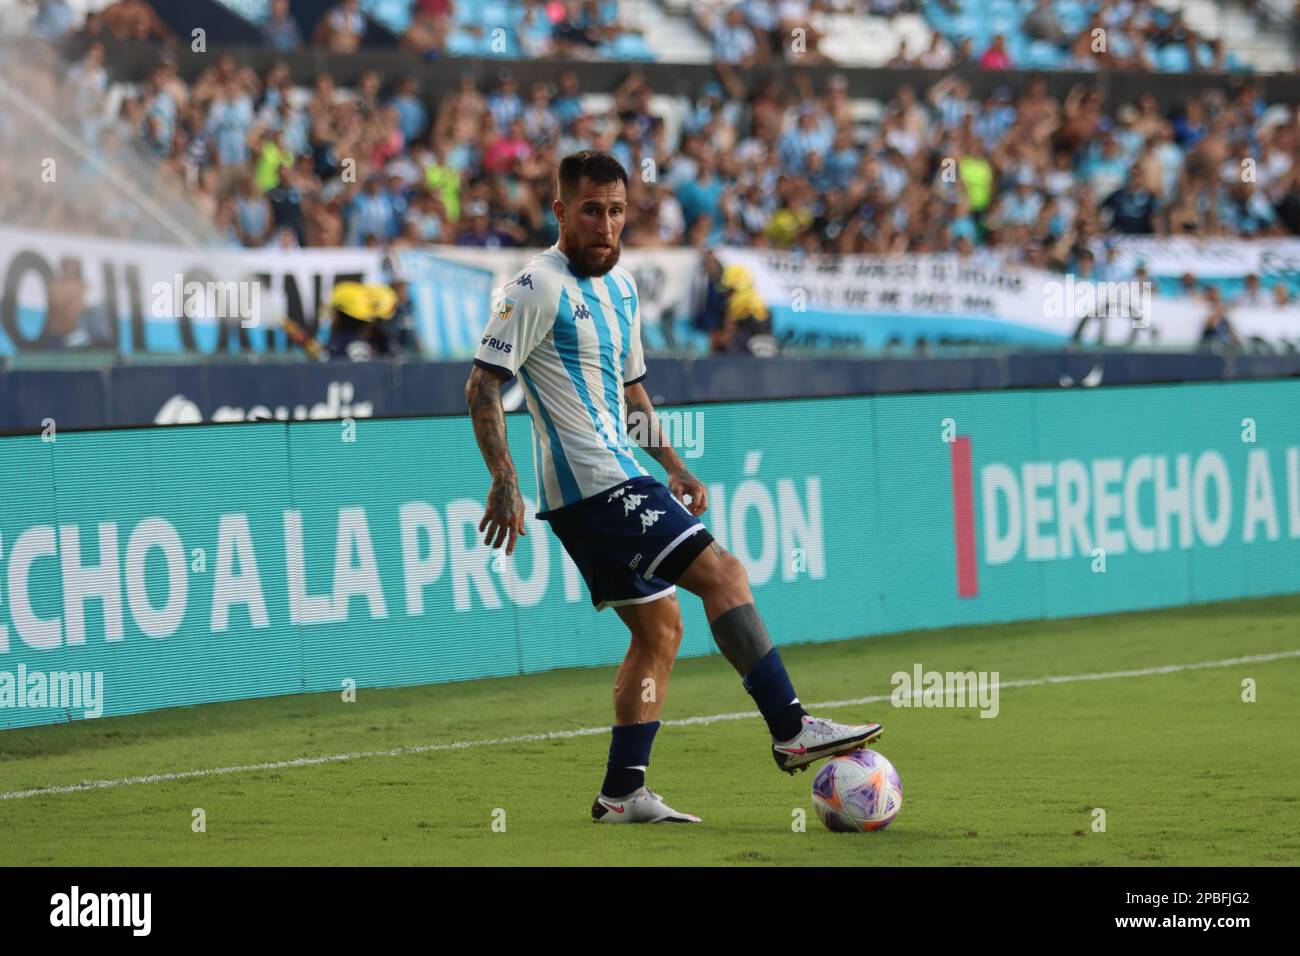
(451, 303)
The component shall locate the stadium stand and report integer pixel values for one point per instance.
(1038, 171)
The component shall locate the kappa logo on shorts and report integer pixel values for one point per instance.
(632, 502)
(649, 517)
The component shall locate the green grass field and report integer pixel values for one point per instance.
(1186, 772)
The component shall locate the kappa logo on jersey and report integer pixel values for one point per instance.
(503, 347)
(581, 312)
(649, 517)
(525, 280)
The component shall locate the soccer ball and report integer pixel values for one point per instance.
(857, 791)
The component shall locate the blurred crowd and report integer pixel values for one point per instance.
(1085, 35)
(977, 34)
(568, 29)
(1015, 176)
(1019, 173)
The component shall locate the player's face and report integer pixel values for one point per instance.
(591, 223)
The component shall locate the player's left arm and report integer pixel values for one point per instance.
(643, 424)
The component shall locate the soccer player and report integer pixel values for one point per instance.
(569, 327)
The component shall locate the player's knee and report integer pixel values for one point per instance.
(732, 574)
(723, 579)
(669, 638)
(661, 642)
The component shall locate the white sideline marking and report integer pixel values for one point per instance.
(588, 731)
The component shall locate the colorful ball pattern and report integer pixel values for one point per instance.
(857, 791)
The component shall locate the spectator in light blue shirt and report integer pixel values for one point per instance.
(280, 31)
(54, 18)
(1246, 210)
(412, 116)
(229, 119)
(963, 227)
(1130, 139)
(160, 121)
(295, 125)
(504, 103)
(819, 177)
(950, 100)
(810, 135)
(702, 196)
(994, 120)
(711, 105)
(733, 41)
(370, 214)
(622, 151)
(568, 101)
(1107, 172)
(541, 125)
(1022, 205)
(953, 108)
(762, 16)
(842, 160)
(893, 176)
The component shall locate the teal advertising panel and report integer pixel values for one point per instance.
(161, 567)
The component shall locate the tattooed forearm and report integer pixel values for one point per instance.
(644, 428)
(483, 398)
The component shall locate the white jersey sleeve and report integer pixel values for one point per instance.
(634, 360)
(521, 322)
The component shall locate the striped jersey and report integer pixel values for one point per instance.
(574, 342)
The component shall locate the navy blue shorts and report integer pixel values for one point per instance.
(630, 543)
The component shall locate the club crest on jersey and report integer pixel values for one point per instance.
(506, 310)
(582, 312)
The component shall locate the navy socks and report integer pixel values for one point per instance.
(770, 686)
(629, 755)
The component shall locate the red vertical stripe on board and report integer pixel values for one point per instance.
(963, 517)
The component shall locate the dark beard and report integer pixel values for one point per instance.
(585, 264)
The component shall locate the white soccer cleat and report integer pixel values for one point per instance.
(639, 806)
(821, 738)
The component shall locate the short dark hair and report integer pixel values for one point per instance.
(591, 164)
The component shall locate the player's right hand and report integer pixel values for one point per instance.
(504, 518)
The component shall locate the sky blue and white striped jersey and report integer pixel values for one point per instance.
(574, 342)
